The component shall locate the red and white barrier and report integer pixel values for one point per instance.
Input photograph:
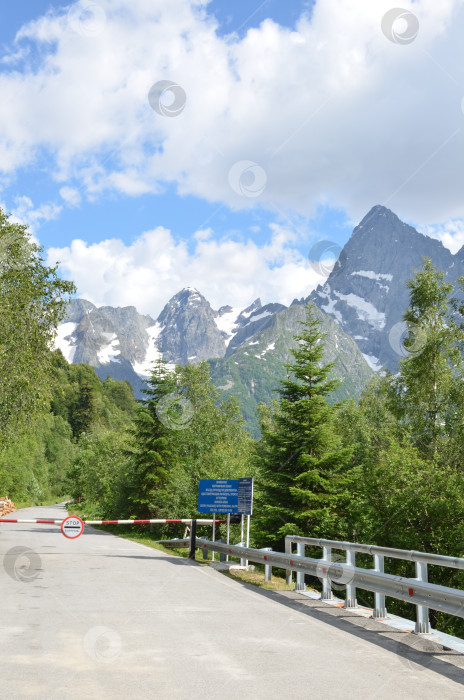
(40, 521)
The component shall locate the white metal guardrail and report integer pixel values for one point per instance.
(417, 591)
(421, 560)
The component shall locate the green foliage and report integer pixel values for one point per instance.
(34, 465)
(32, 302)
(151, 459)
(97, 472)
(182, 433)
(427, 394)
(303, 467)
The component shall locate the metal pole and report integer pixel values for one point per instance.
(267, 567)
(326, 587)
(350, 601)
(380, 610)
(193, 539)
(243, 562)
(422, 612)
(247, 536)
(228, 533)
(300, 577)
(214, 535)
(288, 550)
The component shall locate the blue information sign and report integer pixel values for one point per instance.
(218, 496)
(225, 496)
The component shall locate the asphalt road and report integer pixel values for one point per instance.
(102, 617)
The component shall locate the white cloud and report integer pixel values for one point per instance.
(71, 196)
(154, 267)
(451, 234)
(332, 111)
(24, 212)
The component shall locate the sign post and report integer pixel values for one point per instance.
(228, 496)
(193, 539)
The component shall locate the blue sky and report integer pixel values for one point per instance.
(294, 119)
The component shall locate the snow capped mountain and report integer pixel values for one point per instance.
(187, 330)
(366, 291)
(365, 294)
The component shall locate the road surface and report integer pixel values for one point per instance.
(102, 617)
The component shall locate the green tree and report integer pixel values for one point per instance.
(84, 411)
(303, 472)
(32, 302)
(183, 433)
(427, 393)
(150, 453)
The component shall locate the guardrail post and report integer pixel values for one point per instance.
(300, 577)
(222, 557)
(326, 587)
(422, 612)
(267, 567)
(193, 539)
(214, 535)
(350, 601)
(288, 550)
(380, 610)
(204, 551)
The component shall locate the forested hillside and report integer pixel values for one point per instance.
(34, 464)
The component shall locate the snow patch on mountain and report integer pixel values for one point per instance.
(65, 340)
(364, 309)
(329, 307)
(143, 369)
(373, 275)
(227, 322)
(258, 317)
(109, 353)
(271, 346)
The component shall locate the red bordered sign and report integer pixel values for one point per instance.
(72, 527)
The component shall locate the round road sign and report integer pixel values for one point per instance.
(72, 527)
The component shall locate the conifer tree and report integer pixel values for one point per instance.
(151, 451)
(303, 468)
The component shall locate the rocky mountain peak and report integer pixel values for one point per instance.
(189, 332)
(366, 291)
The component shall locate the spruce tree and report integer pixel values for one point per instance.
(304, 471)
(150, 455)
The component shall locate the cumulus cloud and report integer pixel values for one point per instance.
(156, 266)
(333, 111)
(25, 212)
(451, 234)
